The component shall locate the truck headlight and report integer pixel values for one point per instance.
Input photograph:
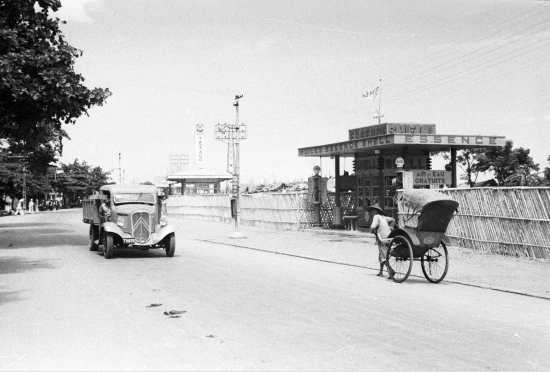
(163, 221)
(120, 221)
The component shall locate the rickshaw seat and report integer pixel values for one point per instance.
(436, 215)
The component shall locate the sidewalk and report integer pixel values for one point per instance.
(466, 266)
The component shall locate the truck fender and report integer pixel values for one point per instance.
(112, 228)
(164, 231)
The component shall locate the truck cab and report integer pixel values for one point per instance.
(136, 220)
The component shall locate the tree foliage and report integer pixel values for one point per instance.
(506, 162)
(39, 89)
(467, 161)
(511, 167)
(79, 180)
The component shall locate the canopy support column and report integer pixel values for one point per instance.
(453, 169)
(337, 214)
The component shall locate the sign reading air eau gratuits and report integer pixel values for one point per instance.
(431, 177)
(403, 139)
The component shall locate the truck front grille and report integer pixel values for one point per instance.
(140, 227)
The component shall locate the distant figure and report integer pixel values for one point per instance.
(31, 206)
(19, 209)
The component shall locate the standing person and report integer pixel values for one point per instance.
(19, 209)
(105, 210)
(31, 206)
(381, 226)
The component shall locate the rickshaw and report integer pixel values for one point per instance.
(420, 235)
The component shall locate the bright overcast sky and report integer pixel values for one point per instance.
(471, 67)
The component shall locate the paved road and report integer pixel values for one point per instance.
(66, 308)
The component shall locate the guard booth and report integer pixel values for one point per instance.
(390, 156)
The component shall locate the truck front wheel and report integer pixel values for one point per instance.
(108, 245)
(94, 235)
(170, 245)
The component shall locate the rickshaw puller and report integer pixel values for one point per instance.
(381, 226)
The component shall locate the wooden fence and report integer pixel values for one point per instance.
(509, 221)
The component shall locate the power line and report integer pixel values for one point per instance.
(431, 59)
(432, 70)
(449, 78)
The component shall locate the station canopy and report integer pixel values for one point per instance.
(399, 135)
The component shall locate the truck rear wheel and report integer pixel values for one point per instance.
(94, 235)
(170, 245)
(108, 245)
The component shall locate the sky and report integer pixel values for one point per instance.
(468, 66)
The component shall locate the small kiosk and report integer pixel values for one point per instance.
(200, 180)
(390, 156)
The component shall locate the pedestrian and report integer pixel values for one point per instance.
(19, 209)
(381, 228)
(31, 206)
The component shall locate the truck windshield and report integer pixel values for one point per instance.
(134, 198)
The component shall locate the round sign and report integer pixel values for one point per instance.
(429, 240)
(199, 127)
(399, 162)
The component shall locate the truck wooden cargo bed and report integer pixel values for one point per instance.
(90, 210)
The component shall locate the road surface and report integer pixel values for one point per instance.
(64, 307)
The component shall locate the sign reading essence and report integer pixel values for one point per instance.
(402, 139)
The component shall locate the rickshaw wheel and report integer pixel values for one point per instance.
(399, 258)
(435, 263)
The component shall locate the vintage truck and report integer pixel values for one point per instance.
(136, 220)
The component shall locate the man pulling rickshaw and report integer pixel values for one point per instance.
(424, 217)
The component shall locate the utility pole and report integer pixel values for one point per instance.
(236, 173)
(233, 134)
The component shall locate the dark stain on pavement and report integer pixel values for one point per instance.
(15, 265)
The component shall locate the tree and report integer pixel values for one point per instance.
(467, 161)
(506, 162)
(39, 89)
(78, 180)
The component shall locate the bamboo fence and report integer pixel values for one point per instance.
(280, 211)
(505, 221)
(509, 221)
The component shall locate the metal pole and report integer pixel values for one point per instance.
(236, 170)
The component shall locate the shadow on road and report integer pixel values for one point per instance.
(15, 265)
(22, 225)
(43, 238)
(9, 296)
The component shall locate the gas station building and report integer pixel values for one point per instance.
(392, 156)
